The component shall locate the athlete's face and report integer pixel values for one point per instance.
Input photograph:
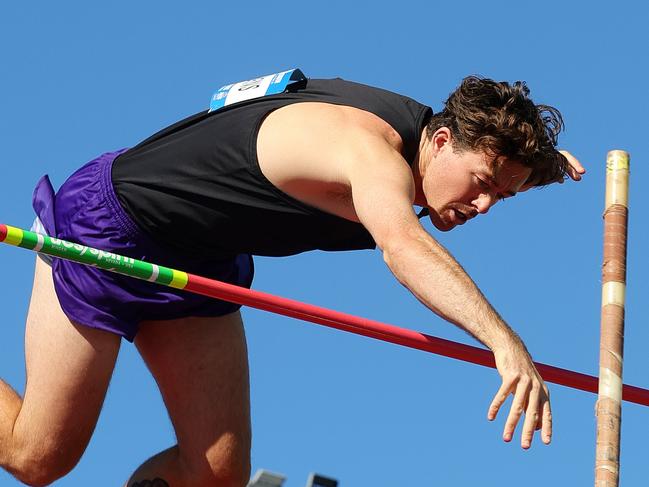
(460, 185)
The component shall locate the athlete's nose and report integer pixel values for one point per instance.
(483, 202)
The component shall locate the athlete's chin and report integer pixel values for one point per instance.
(445, 227)
(441, 224)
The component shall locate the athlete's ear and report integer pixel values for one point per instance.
(442, 138)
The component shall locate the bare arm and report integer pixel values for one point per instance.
(382, 196)
(351, 161)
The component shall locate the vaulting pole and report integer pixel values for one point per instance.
(289, 307)
(609, 402)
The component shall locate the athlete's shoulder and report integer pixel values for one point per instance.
(353, 86)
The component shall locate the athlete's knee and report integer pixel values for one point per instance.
(226, 464)
(40, 464)
(232, 472)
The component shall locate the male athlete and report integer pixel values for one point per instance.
(326, 164)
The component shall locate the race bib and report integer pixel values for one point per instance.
(255, 88)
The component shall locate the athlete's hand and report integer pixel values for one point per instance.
(531, 397)
(575, 169)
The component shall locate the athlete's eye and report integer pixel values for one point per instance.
(482, 183)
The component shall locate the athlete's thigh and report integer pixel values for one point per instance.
(201, 367)
(68, 371)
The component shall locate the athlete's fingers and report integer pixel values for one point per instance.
(517, 408)
(546, 429)
(499, 399)
(575, 169)
(532, 415)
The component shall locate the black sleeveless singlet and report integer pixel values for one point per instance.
(197, 187)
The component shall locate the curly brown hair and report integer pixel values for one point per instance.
(499, 119)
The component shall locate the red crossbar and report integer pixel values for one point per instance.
(391, 333)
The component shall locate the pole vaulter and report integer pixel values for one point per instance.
(288, 307)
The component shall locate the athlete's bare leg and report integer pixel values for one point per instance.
(69, 367)
(201, 367)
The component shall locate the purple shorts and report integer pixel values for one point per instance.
(86, 210)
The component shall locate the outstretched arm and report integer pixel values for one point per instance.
(382, 196)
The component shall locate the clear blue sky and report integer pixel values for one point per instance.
(80, 78)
